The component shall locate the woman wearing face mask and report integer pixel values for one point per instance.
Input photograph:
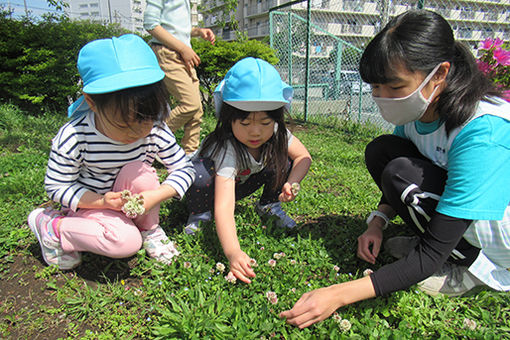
(445, 170)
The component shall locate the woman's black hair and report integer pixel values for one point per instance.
(142, 103)
(274, 152)
(420, 40)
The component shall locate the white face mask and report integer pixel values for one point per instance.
(400, 111)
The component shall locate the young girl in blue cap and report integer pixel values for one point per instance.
(250, 148)
(103, 156)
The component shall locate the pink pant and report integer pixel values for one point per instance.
(108, 232)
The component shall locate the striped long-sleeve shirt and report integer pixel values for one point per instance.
(82, 159)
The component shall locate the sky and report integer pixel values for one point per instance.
(35, 7)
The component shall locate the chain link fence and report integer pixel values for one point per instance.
(324, 71)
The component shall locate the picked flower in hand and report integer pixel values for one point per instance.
(134, 204)
(294, 188)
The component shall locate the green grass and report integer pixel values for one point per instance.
(138, 298)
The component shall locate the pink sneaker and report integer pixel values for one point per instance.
(39, 221)
(158, 246)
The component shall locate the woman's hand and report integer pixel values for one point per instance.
(372, 237)
(240, 266)
(319, 304)
(312, 307)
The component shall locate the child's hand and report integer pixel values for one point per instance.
(113, 200)
(240, 266)
(189, 57)
(207, 34)
(289, 192)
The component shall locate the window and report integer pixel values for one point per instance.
(467, 12)
(488, 32)
(490, 16)
(465, 33)
(353, 5)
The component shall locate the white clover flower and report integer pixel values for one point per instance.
(367, 272)
(277, 256)
(271, 263)
(337, 317)
(231, 277)
(336, 268)
(294, 188)
(186, 264)
(293, 262)
(220, 267)
(272, 297)
(344, 325)
(134, 204)
(253, 263)
(293, 290)
(282, 254)
(469, 324)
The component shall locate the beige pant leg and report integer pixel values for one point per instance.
(185, 88)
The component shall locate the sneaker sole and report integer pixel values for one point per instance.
(32, 224)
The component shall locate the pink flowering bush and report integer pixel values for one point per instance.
(494, 62)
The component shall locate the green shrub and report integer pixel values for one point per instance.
(38, 59)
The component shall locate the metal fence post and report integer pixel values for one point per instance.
(307, 54)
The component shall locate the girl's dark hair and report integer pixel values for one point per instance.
(274, 152)
(420, 40)
(142, 103)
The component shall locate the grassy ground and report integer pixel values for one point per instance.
(138, 298)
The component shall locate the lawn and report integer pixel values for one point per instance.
(191, 299)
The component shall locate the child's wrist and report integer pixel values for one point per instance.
(230, 253)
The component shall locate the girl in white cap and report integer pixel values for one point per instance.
(250, 148)
(116, 131)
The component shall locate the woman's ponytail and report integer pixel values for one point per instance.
(466, 86)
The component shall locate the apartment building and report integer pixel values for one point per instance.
(127, 13)
(357, 21)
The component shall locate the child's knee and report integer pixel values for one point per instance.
(127, 244)
(137, 176)
(205, 172)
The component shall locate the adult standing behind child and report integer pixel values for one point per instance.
(116, 131)
(169, 23)
(249, 148)
(444, 171)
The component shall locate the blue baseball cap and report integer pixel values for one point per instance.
(109, 65)
(253, 84)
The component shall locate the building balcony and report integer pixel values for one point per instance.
(260, 8)
(355, 6)
(348, 29)
(258, 31)
(468, 34)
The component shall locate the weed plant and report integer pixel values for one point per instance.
(191, 299)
